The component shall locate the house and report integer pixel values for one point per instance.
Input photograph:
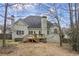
(35, 24)
(65, 32)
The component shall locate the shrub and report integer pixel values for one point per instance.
(18, 39)
(65, 40)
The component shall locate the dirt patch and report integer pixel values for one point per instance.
(41, 49)
(7, 49)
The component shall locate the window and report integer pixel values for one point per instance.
(34, 32)
(55, 31)
(39, 32)
(47, 32)
(19, 32)
(30, 32)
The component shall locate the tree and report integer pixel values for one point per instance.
(71, 26)
(77, 27)
(74, 27)
(5, 18)
(60, 31)
(54, 12)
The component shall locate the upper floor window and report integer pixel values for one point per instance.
(55, 31)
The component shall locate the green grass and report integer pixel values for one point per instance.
(8, 42)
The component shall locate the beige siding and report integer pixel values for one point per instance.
(53, 37)
(19, 27)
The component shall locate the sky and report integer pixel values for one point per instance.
(37, 9)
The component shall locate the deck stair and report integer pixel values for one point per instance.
(35, 38)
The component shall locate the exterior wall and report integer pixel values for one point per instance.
(44, 25)
(19, 27)
(53, 37)
(52, 29)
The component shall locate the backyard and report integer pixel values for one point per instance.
(53, 22)
(39, 49)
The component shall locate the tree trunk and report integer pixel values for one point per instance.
(60, 31)
(76, 27)
(73, 31)
(6, 6)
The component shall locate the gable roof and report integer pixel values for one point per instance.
(34, 22)
(21, 21)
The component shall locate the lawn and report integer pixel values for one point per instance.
(8, 42)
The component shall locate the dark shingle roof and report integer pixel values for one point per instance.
(35, 22)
